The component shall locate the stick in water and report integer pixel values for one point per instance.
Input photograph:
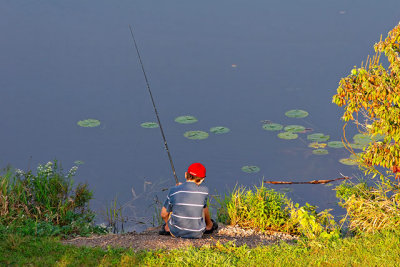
(310, 182)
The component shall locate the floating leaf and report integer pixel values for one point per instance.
(317, 145)
(287, 135)
(89, 123)
(362, 139)
(78, 162)
(320, 151)
(358, 146)
(149, 125)
(296, 113)
(348, 161)
(272, 127)
(335, 144)
(185, 119)
(196, 135)
(294, 128)
(318, 137)
(250, 169)
(219, 130)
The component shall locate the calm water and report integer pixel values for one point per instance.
(61, 62)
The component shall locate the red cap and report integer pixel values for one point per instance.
(197, 169)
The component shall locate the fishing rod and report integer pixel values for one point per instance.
(154, 106)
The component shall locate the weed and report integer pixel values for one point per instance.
(45, 202)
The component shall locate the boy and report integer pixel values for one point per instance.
(185, 210)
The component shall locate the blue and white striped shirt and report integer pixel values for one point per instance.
(186, 202)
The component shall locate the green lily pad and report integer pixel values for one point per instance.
(149, 125)
(358, 146)
(219, 130)
(318, 137)
(78, 162)
(250, 169)
(347, 161)
(320, 151)
(362, 139)
(89, 123)
(272, 127)
(287, 135)
(296, 113)
(335, 144)
(196, 135)
(294, 128)
(185, 119)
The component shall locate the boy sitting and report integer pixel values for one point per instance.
(185, 210)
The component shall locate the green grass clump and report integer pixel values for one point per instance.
(45, 202)
(260, 208)
(265, 209)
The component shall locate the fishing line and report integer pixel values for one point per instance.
(154, 106)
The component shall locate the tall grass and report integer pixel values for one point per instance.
(261, 208)
(265, 209)
(47, 196)
(370, 208)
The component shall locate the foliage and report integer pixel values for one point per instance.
(265, 209)
(46, 200)
(261, 208)
(374, 92)
(380, 249)
(369, 208)
(311, 224)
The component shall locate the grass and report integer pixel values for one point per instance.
(265, 209)
(369, 250)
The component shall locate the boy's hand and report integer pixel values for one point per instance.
(178, 183)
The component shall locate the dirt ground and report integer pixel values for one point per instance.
(151, 240)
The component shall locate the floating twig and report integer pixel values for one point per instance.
(310, 182)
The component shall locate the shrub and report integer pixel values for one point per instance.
(46, 199)
(370, 209)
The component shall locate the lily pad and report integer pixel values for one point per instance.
(320, 151)
(317, 145)
(335, 144)
(196, 135)
(347, 161)
(296, 113)
(185, 119)
(250, 169)
(272, 127)
(219, 130)
(358, 146)
(149, 125)
(78, 162)
(362, 139)
(294, 128)
(318, 137)
(89, 123)
(287, 135)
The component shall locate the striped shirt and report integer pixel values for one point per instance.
(186, 202)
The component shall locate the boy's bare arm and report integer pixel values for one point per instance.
(207, 218)
(165, 216)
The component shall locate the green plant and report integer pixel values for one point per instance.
(260, 208)
(113, 215)
(32, 202)
(311, 224)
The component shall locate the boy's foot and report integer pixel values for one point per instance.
(213, 228)
(162, 231)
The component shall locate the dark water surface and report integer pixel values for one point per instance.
(64, 61)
